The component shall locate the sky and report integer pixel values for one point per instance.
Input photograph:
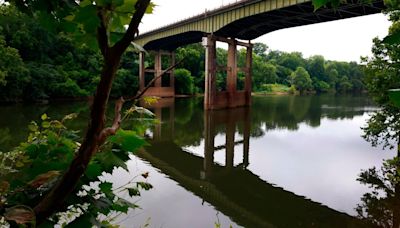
(342, 40)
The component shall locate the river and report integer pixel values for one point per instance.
(286, 161)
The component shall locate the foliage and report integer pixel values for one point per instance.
(184, 82)
(275, 88)
(382, 74)
(13, 72)
(301, 79)
(31, 169)
(380, 206)
(50, 65)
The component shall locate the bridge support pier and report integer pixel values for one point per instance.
(158, 90)
(231, 97)
(230, 121)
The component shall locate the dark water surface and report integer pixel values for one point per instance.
(285, 162)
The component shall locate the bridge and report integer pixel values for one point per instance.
(242, 20)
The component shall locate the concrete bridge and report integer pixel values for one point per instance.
(242, 20)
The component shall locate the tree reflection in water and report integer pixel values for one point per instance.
(381, 206)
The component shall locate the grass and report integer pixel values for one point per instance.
(277, 89)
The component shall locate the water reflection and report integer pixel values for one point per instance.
(381, 205)
(286, 162)
(232, 188)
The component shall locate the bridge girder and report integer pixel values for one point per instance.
(249, 19)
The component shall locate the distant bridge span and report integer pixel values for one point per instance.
(243, 20)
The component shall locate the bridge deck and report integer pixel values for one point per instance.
(249, 19)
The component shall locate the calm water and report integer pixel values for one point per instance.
(284, 162)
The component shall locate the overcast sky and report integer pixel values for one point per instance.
(343, 40)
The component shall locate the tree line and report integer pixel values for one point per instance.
(37, 64)
(313, 74)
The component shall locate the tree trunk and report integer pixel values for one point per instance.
(90, 144)
(94, 137)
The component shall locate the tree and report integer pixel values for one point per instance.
(184, 82)
(383, 73)
(263, 72)
(301, 79)
(381, 206)
(13, 73)
(91, 22)
(316, 68)
(260, 49)
(291, 60)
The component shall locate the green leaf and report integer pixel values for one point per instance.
(128, 140)
(106, 187)
(103, 2)
(120, 208)
(82, 221)
(85, 3)
(118, 2)
(69, 117)
(150, 8)
(68, 26)
(128, 6)
(108, 160)
(45, 124)
(133, 192)
(44, 116)
(87, 16)
(33, 126)
(115, 37)
(103, 204)
(116, 24)
(93, 171)
(144, 185)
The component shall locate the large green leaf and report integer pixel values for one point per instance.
(110, 159)
(87, 16)
(93, 170)
(128, 140)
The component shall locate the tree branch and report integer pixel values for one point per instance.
(140, 9)
(106, 132)
(102, 37)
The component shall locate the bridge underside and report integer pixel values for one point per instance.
(257, 25)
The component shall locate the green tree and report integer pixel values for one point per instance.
(260, 49)
(316, 68)
(184, 82)
(98, 24)
(291, 60)
(263, 73)
(301, 79)
(13, 73)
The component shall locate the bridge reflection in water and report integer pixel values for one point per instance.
(232, 189)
